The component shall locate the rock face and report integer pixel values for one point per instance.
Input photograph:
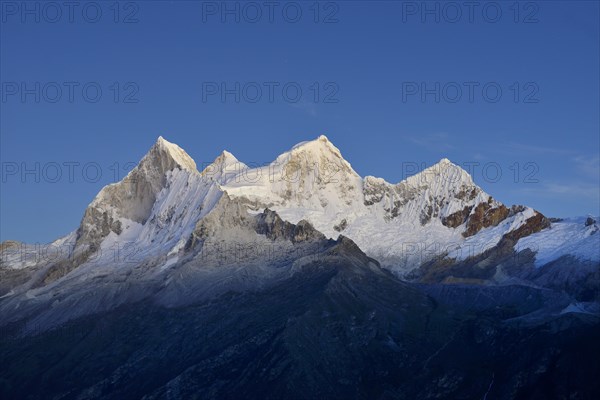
(458, 218)
(233, 214)
(590, 221)
(532, 225)
(483, 215)
(271, 225)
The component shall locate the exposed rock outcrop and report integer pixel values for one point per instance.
(590, 221)
(484, 215)
(484, 268)
(270, 224)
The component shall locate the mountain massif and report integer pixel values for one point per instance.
(302, 279)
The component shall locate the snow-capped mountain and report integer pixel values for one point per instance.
(401, 225)
(439, 213)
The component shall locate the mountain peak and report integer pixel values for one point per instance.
(448, 168)
(444, 173)
(162, 147)
(443, 165)
(320, 153)
(321, 146)
(133, 197)
(226, 157)
(224, 166)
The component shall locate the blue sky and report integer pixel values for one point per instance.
(377, 67)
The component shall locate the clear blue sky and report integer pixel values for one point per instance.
(371, 58)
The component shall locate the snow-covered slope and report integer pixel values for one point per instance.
(578, 237)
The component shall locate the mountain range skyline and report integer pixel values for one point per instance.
(489, 173)
(437, 212)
